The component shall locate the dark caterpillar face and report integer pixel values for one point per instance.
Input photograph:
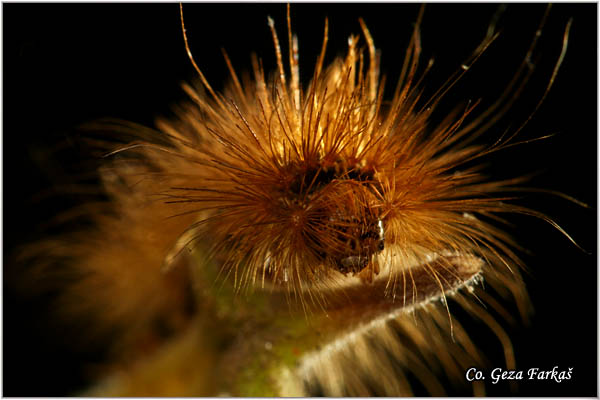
(365, 240)
(344, 229)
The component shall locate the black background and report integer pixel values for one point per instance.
(69, 64)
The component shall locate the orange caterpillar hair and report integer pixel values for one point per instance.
(280, 238)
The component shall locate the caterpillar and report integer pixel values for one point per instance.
(351, 260)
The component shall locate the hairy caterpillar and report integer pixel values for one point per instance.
(391, 72)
